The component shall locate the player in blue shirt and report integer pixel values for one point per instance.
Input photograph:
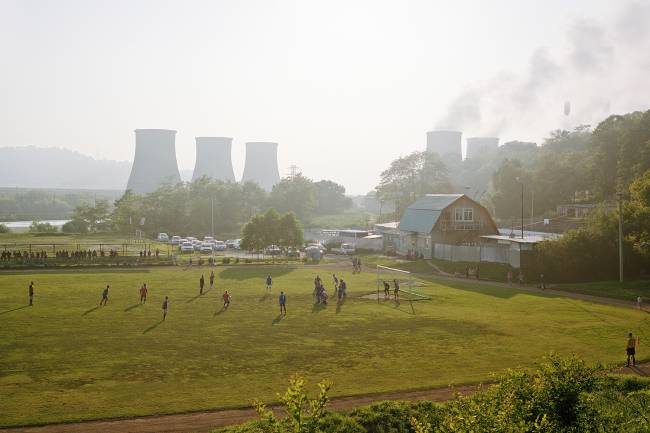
(283, 303)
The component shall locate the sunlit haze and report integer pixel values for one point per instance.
(344, 87)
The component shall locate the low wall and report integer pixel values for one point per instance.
(481, 253)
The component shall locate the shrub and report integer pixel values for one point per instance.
(4, 228)
(75, 226)
(39, 227)
(225, 260)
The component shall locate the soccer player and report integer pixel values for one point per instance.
(386, 289)
(396, 290)
(336, 281)
(639, 302)
(104, 296)
(226, 300)
(31, 293)
(143, 293)
(269, 283)
(211, 279)
(201, 284)
(283, 303)
(165, 307)
(631, 351)
(342, 287)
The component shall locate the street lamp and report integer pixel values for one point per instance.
(522, 205)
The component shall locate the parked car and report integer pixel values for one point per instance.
(237, 244)
(187, 247)
(208, 238)
(230, 243)
(346, 249)
(162, 237)
(206, 247)
(273, 250)
(313, 245)
(176, 240)
(219, 246)
(293, 252)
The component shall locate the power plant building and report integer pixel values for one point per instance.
(447, 144)
(481, 146)
(261, 164)
(213, 159)
(154, 163)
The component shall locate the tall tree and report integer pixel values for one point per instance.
(329, 198)
(294, 194)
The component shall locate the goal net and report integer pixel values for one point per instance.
(389, 278)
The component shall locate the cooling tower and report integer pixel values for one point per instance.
(479, 146)
(155, 160)
(445, 143)
(213, 158)
(261, 164)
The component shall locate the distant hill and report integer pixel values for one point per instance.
(38, 167)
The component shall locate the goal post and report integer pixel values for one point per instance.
(401, 276)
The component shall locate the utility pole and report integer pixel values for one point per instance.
(212, 216)
(520, 180)
(619, 195)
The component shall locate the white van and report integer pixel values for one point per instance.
(162, 237)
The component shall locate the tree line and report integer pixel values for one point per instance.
(208, 206)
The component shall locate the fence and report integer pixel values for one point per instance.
(481, 253)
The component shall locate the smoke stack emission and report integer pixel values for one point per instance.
(261, 164)
(154, 163)
(213, 158)
(447, 144)
(477, 146)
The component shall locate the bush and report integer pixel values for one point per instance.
(225, 260)
(39, 227)
(75, 226)
(4, 228)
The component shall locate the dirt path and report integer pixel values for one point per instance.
(201, 422)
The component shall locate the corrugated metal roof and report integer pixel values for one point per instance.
(422, 215)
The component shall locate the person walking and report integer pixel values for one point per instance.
(165, 307)
(212, 279)
(201, 284)
(342, 288)
(336, 281)
(639, 302)
(283, 303)
(396, 290)
(143, 293)
(31, 294)
(104, 300)
(631, 349)
(226, 300)
(542, 283)
(269, 283)
(386, 289)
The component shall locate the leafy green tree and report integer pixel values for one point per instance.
(290, 231)
(4, 228)
(507, 182)
(96, 217)
(329, 198)
(253, 235)
(271, 227)
(41, 227)
(637, 216)
(294, 194)
(410, 177)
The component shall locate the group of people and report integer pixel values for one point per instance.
(520, 278)
(395, 289)
(18, 255)
(147, 253)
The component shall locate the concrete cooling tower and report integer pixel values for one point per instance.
(261, 164)
(445, 143)
(478, 146)
(155, 160)
(213, 158)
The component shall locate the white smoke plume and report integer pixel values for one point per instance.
(604, 69)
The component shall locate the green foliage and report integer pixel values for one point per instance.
(271, 229)
(95, 218)
(410, 177)
(294, 194)
(637, 216)
(75, 226)
(304, 414)
(40, 227)
(330, 198)
(4, 228)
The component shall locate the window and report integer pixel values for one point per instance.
(464, 214)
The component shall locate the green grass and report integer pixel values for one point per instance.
(66, 359)
(628, 291)
(354, 218)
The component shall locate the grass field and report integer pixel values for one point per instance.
(628, 291)
(66, 359)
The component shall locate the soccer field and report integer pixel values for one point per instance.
(66, 359)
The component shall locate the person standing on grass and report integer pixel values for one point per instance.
(542, 283)
(165, 307)
(386, 289)
(269, 283)
(143, 293)
(631, 349)
(358, 265)
(639, 302)
(201, 284)
(509, 277)
(104, 300)
(283, 303)
(31, 294)
(336, 281)
(212, 279)
(520, 277)
(396, 290)
(226, 300)
(342, 288)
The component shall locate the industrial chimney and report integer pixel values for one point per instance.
(213, 158)
(155, 160)
(261, 164)
(477, 146)
(445, 143)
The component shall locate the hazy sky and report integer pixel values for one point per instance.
(343, 86)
